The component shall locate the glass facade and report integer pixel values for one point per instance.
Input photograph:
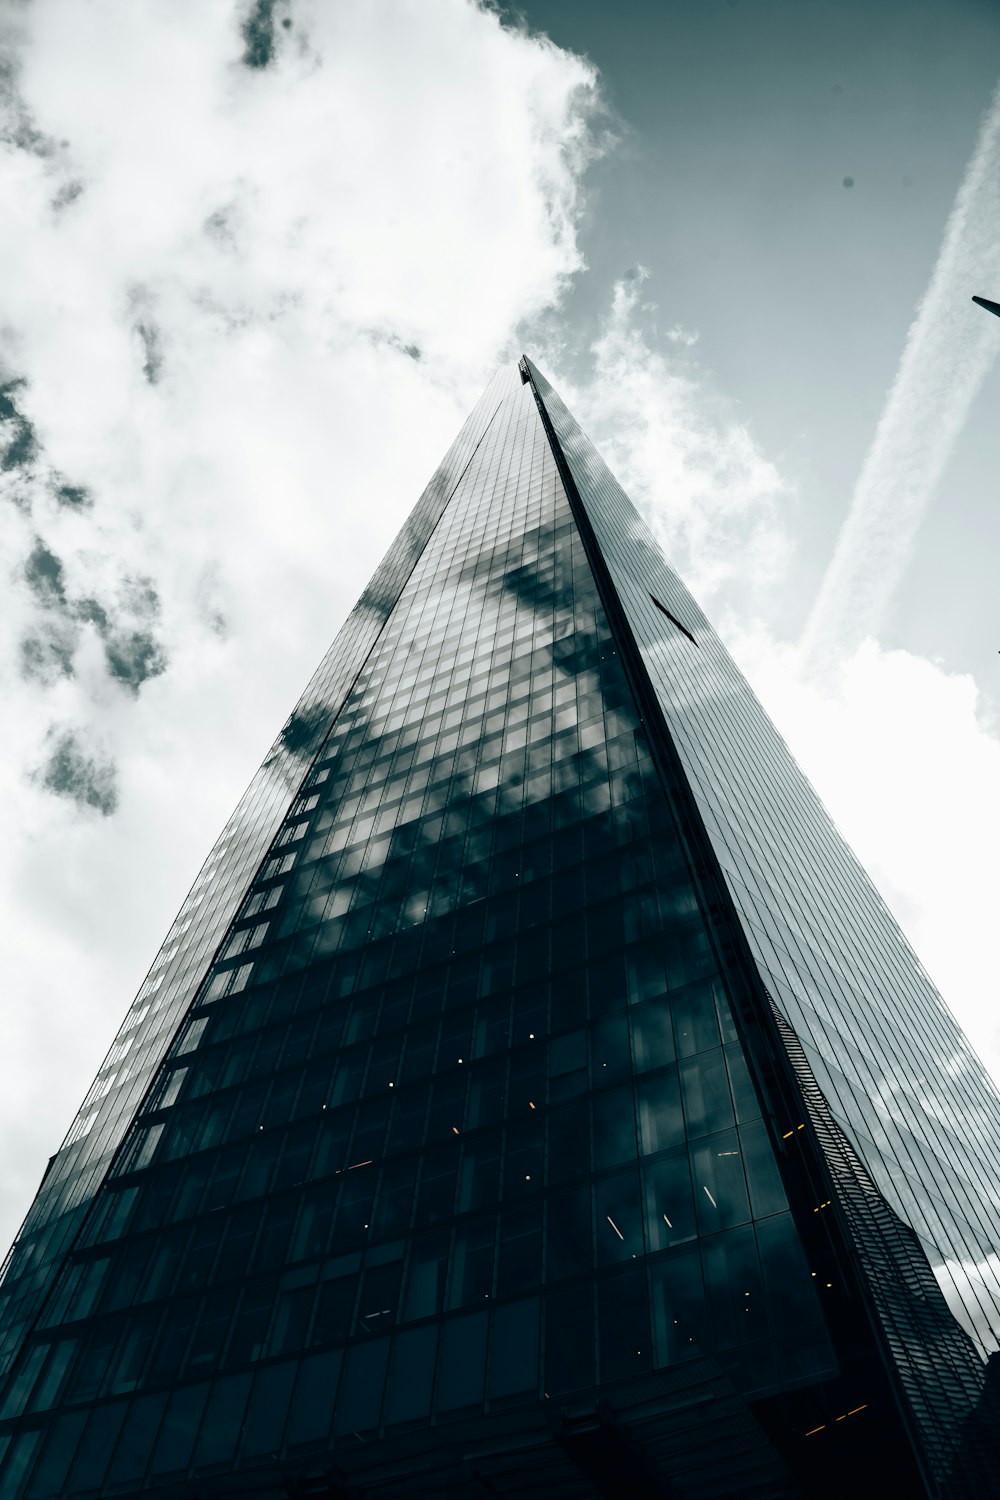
(484, 1136)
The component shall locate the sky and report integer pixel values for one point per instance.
(259, 260)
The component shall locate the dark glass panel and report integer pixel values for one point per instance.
(744, 1094)
(669, 1201)
(708, 1104)
(461, 1362)
(335, 1309)
(568, 1065)
(251, 1322)
(360, 1402)
(178, 1430)
(268, 1409)
(50, 1383)
(487, 1093)
(223, 1420)
(569, 1143)
(313, 1400)
(95, 1357)
(678, 1306)
(478, 1183)
(426, 1275)
(623, 1324)
(694, 1018)
(290, 1323)
(50, 1472)
(652, 1036)
(18, 1460)
(472, 1263)
(94, 1453)
(767, 1196)
(520, 1265)
(514, 1349)
(569, 1247)
(614, 1128)
(794, 1292)
(720, 1190)
(618, 1218)
(733, 1288)
(136, 1443)
(210, 1331)
(570, 1344)
(436, 1189)
(379, 1296)
(661, 1119)
(411, 1375)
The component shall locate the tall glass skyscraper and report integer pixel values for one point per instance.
(533, 1096)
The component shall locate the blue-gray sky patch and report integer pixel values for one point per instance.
(71, 772)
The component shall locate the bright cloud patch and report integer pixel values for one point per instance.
(910, 773)
(255, 257)
(713, 500)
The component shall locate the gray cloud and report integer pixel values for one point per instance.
(141, 597)
(75, 496)
(16, 124)
(43, 574)
(149, 337)
(221, 226)
(94, 613)
(67, 194)
(131, 651)
(386, 338)
(258, 35)
(48, 647)
(207, 595)
(86, 779)
(47, 652)
(133, 657)
(18, 442)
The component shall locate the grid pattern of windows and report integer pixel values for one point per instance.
(458, 1121)
(897, 1074)
(78, 1168)
(914, 1099)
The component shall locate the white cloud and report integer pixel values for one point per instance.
(713, 500)
(245, 312)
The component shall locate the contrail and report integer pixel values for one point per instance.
(949, 350)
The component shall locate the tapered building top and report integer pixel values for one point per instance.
(533, 1094)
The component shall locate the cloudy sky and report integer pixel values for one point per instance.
(257, 261)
